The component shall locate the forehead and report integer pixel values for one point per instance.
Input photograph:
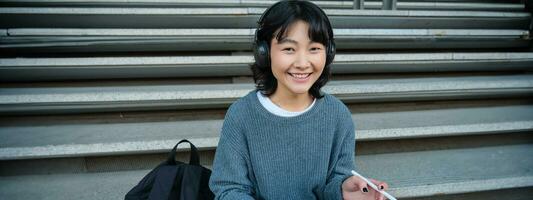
(297, 31)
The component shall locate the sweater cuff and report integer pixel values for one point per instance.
(334, 188)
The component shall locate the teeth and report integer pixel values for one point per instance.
(299, 76)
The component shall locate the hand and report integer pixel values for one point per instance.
(355, 188)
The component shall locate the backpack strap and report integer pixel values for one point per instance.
(194, 160)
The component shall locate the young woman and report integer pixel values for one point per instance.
(287, 139)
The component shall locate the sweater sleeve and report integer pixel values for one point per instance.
(229, 178)
(344, 162)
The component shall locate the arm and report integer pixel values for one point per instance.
(344, 161)
(229, 179)
(343, 184)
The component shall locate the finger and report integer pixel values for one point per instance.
(377, 195)
(380, 197)
(363, 187)
(380, 185)
(383, 186)
(354, 184)
(376, 182)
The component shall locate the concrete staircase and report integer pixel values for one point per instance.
(94, 93)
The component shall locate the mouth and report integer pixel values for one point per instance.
(300, 76)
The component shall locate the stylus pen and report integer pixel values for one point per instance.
(374, 186)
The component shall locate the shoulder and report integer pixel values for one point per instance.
(336, 106)
(235, 120)
(241, 107)
(339, 111)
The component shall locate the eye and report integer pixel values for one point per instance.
(288, 49)
(315, 49)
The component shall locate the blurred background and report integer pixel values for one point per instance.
(94, 93)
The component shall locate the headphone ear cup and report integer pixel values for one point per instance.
(330, 53)
(262, 54)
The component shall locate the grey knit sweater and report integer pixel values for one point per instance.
(264, 156)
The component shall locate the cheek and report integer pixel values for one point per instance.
(279, 62)
(319, 61)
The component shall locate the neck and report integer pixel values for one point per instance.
(292, 102)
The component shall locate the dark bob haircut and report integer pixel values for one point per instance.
(279, 17)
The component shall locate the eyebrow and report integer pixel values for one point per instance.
(287, 40)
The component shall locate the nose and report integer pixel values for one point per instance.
(302, 61)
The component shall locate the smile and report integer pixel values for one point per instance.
(300, 75)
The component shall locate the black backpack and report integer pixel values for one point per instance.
(175, 180)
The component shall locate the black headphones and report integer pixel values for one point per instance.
(262, 50)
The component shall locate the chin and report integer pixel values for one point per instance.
(300, 90)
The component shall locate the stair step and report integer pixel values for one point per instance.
(428, 173)
(519, 193)
(25, 140)
(141, 161)
(94, 17)
(40, 100)
(109, 185)
(255, 3)
(112, 40)
(464, 187)
(409, 174)
(210, 3)
(46, 69)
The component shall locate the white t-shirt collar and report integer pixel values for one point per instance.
(276, 110)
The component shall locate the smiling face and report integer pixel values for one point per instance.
(296, 61)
